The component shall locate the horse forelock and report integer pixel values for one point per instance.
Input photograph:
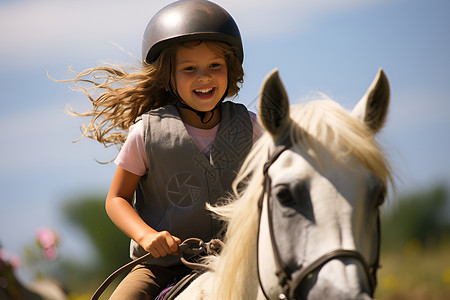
(327, 125)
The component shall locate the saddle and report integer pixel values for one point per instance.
(174, 289)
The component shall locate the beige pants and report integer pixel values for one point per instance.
(146, 282)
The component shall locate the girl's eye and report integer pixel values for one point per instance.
(189, 69)
(216, 65)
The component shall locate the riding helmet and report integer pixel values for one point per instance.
(189, 20)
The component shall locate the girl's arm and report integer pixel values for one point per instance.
(121, 212)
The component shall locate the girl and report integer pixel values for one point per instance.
(185, 144)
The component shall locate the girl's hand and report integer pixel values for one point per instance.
(122, 213)
(160, 244)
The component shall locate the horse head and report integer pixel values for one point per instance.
(324, 180)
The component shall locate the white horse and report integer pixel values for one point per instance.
(306, 223)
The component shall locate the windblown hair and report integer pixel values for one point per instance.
(120, 95)
(317, 125)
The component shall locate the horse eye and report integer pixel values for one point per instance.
(377, 191)
(283, 194)
(380, 195)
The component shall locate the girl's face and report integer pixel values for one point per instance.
(201, 76)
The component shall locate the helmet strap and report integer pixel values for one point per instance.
(201, 114)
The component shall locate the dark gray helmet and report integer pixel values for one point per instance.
(189, 20)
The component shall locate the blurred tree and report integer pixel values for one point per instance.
(417, 217)
(111, 245)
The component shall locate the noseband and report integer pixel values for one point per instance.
(288, 283)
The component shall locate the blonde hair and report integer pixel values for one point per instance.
(123, 96)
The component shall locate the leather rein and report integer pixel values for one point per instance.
(288, 283)
(189, 247)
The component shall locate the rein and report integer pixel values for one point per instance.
(288, 283)
(190, 247)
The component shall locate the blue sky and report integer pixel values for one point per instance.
(326, 46)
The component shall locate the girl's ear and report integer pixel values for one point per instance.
(273, 110)
(373, 107)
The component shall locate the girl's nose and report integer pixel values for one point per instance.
(204, 76)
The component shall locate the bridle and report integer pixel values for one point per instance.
(288, 283)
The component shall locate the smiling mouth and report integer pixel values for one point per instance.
(204, 92)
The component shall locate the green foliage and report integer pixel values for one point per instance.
(415, 246)
(111, 245)
(417, 218)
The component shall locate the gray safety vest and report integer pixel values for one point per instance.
(181, 179)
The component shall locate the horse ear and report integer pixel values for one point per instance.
(373, 106)
(273, 107)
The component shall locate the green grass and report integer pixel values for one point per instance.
(415, 273)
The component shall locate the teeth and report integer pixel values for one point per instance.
(204, 91)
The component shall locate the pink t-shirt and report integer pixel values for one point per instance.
(133, 158)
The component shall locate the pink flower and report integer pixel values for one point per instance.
(9, 259)
(50, 253)
(46, 238)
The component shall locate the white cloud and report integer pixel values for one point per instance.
(47, 28)
(33, 31)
